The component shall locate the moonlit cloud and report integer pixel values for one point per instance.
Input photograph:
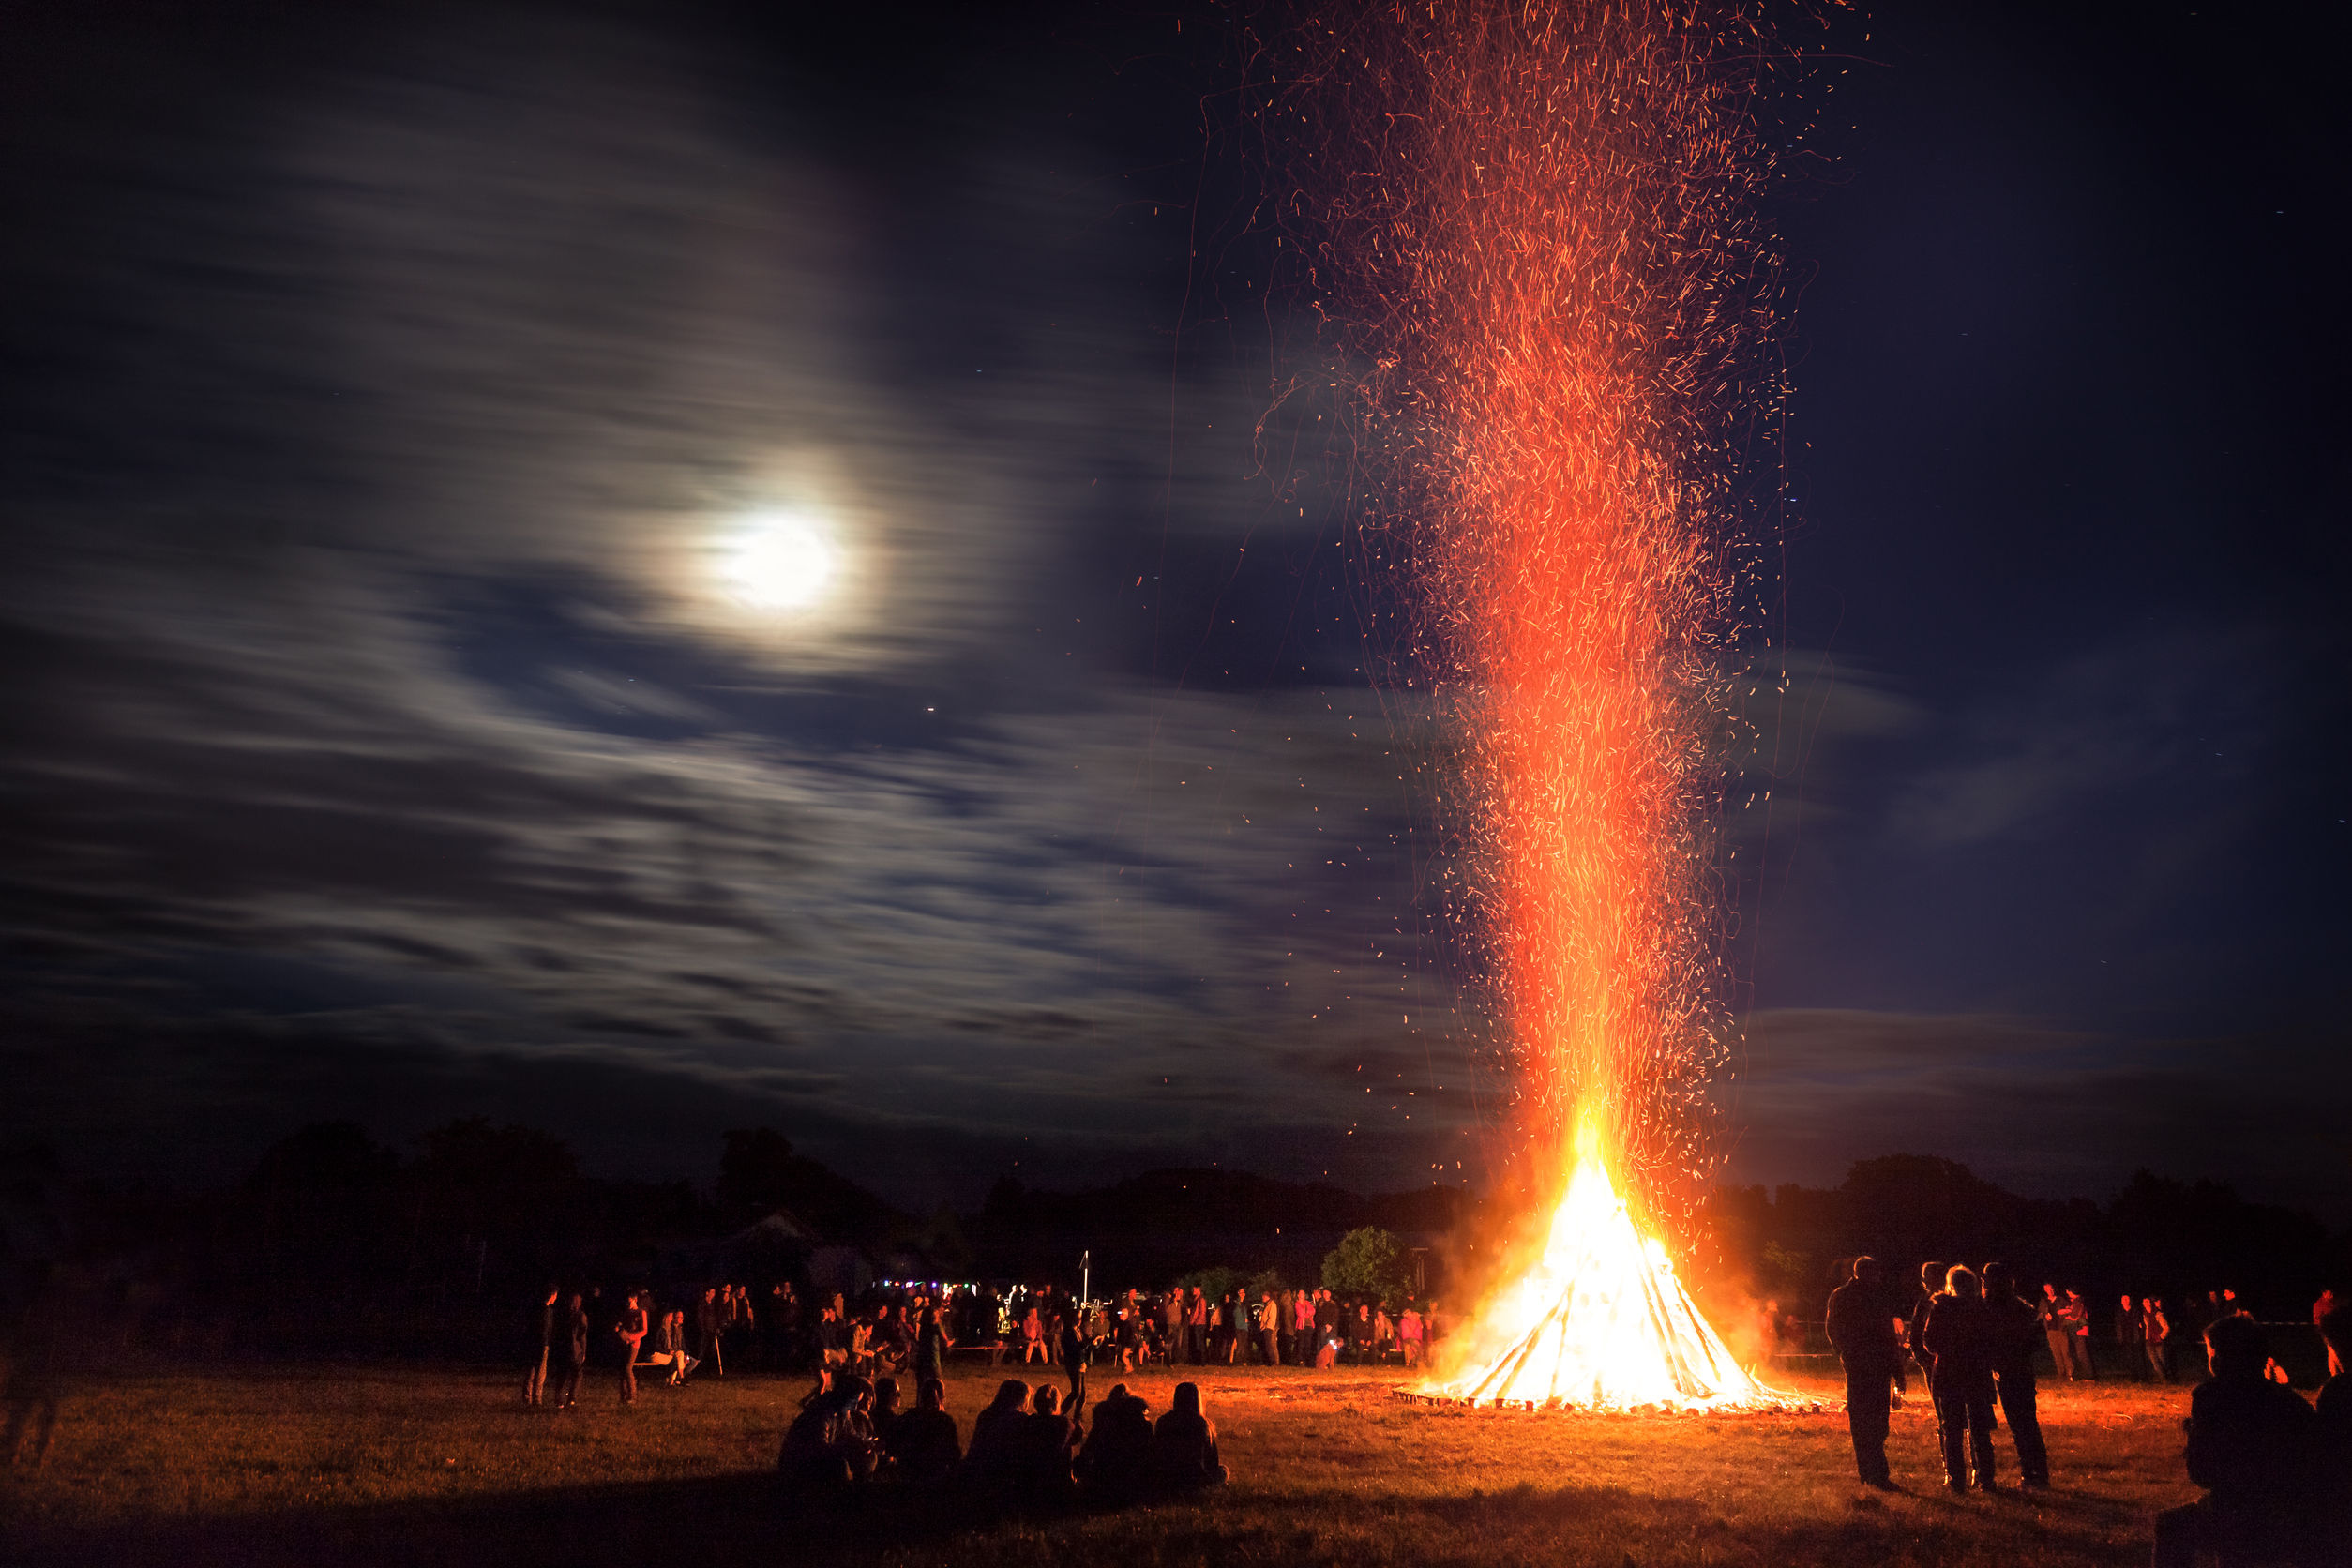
(604, 697)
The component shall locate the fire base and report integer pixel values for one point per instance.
(1561, 1407)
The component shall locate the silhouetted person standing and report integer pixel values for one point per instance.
(2250, 1442)
(2188, 1327)
(1862, 1332)
(1958, 1336)
(931, 1347)
(2049, 1312)
(576, 1351)
(1077, 1353)
(32, 1374)
(2013, 1326)
(1931, 1279)
(534, 1379)
(2155, 1331)
(710, 1322)
(2077, 1315)
(630, 1332)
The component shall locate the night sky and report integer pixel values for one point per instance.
(644, 571)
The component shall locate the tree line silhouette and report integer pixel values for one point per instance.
(335, 1243)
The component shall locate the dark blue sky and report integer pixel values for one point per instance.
(393, 400)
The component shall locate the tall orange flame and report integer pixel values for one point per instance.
(1546, 245)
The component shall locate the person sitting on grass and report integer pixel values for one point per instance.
(2250, 1447)
(924, 1444)
(830, 1446)
(1048, 1441)
(2334, 1408)
(1116, 1462)
(1185, 1446)
(2332, 1427)
(992, 1462)
(886, 1411)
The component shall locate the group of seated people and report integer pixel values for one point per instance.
(1025, 1446)
(2277, 1472)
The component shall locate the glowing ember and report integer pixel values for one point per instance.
(1562, 295)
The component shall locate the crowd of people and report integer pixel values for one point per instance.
(2147, 1339)
(1280, 1328)
(674, 1337)
(2277, 1470)
(1029, 1447)
(887, 1329)
(2141, 1338)
(901, 1329)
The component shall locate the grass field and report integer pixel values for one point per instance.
(382, 1466)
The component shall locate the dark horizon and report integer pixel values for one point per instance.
(409, 405)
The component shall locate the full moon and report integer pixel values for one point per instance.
(782, 562)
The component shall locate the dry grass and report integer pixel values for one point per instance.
(383, 1466)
